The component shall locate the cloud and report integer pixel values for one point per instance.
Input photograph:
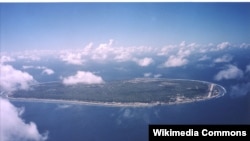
(240, 90)
(29, 57)
(166, 49)
(157, 75)
(48, 71)
(144, 62)
(83, 77)
(5, 59)
(87, 49)
(123, 56)
(12, 79)
(176, 55)
(44, 69)
(147, 74)
(181, 53)
(14, 128)
(150, 74)
(102, 51)
(244, 45)
(192, 45)
(184, 53)
(175, 61)
(221, 46)
(108, 52)
(72, 58)
(28, 67)
(231, 72)
(99, 56)
(183, 43)
(223, 59)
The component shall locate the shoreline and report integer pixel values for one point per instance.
(121, 104)
(108, 104)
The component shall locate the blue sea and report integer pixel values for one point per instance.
(95, 123)
(75, 122)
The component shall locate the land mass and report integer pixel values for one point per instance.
(140, 90)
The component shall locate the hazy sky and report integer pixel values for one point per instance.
(73, 25)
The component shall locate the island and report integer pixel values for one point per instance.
(152, 91)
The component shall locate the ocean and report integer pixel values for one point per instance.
(75, 122)
(106, 123)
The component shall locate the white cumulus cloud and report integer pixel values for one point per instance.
(122, 56)
(244, 45)
(157, 75)
(166, 50)
(13, 127)
(12, 79)
(175, 61)
(183, 43)
(144, 62)
(48, 71)
(29, 57)
(147, 74)
(44, 69)
(231, 72)
(6, 59)
(221, 46)
(28, 67)
(103, 51)
(83, 77)
(72, 58)
(223, 59)
(184, 52)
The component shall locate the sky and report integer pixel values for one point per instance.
(87, 42)
(31, 26)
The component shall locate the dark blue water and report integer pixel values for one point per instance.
(94, 123)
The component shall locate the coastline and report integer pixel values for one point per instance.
(122, 104)
(108, 104)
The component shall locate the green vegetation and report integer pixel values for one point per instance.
(137, 90)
